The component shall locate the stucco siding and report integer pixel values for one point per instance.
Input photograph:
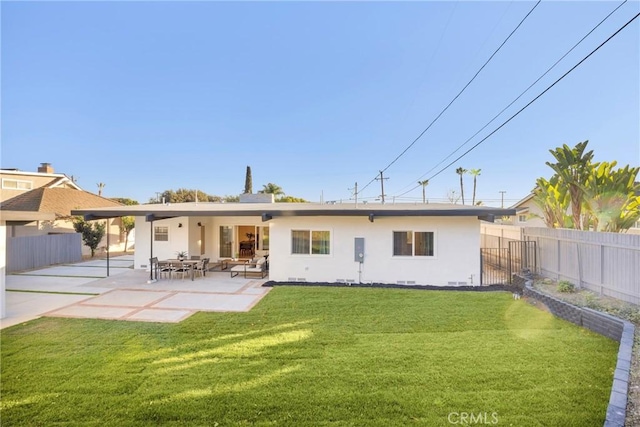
(456, 258)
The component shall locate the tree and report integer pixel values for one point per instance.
(475, 173)
(553, 200)
(101, 186)
(125, 201)
(612, 197)
(248, 182)
(599, 197)
(461, 171)
(573, 167)
(183, 195)
(291, 199)
(424, 186)
(127, 223)
(452, 196)
(272, 188)
(92, 233)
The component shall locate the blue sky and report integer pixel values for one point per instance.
(150, 96)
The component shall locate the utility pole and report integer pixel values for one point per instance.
(381, 179)
(355, 192)
(502, 202)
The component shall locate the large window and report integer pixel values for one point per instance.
(310, 242)
(413, 243)
(161, 234)
(16, 184)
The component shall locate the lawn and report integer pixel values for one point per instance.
(314, 356)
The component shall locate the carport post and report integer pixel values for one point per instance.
(151, 246)
(107, 227)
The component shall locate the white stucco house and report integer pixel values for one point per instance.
(427, 244)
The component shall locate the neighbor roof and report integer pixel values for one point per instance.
(59, 201)
(270, 210)
(58, 179)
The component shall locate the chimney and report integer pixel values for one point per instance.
(45, 168)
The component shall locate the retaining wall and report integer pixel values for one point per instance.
(603, 324)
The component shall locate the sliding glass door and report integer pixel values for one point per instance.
(226, 241)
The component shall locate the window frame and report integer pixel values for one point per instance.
(17, 182)
(156, 233)
(413, 244)
(310, 232)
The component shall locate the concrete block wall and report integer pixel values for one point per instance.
(603, 324)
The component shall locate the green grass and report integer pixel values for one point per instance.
(313, 356)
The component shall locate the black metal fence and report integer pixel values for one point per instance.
(498, 265)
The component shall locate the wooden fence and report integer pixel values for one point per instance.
(29, 252)
(607, 263)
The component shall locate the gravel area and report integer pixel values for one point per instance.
(624, 310)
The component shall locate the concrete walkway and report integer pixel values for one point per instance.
(82, 290)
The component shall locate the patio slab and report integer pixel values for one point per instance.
(210, 302)
(160, 315)
(92, 312)
(126, 294)
(124, 298)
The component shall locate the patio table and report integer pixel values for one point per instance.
(188, 262)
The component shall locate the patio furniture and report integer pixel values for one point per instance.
(246, 247)
(226, 262)
(153, 266)
(201, 267)
(181, 266)
(255, 267)
(165, 269)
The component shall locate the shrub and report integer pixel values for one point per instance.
(566, 287)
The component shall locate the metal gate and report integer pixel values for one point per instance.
(498, 265)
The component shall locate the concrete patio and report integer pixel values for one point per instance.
(82, 290)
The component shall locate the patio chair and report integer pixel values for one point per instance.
(183, 269)
(164, 269)
(201, 267)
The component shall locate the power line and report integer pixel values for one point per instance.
(521, 94)
(458, 95)
(533, 100)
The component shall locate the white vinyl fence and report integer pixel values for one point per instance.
(607, 263)
(29, 252)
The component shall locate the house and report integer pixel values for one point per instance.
(429, 244)
(14, 182)
(45, 191)
(528, 214)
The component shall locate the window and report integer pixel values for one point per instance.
(15, 184)
(314, 242)
(161, 234)
(522, 218)
(410, 243)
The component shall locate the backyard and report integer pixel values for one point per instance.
(314, 356)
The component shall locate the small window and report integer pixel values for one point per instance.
(314, 242)
(161, 234)
(15, 184)
(522, 218)
(410, 243)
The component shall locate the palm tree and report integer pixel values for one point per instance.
(272, 188)
(475, 173)
(101, 186)
(424, 185)
(461, 171)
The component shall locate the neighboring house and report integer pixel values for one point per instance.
(528, 214)
(14, 182)
(428, 244)
(58, 201)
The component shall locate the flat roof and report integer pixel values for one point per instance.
(270, 210)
